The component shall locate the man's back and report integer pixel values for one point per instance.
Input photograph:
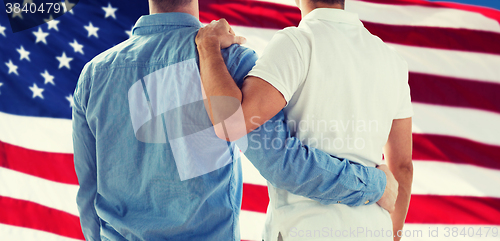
(343, 88)
(140, 104)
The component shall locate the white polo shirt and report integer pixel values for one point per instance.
(343, 88)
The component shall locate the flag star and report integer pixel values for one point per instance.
(67, 5)
(64, 61)
(1, 86)
(129, 32)
(110, 11)
(92, 30)
(48, 78)
(52, 23)
(24, 54)
(2, 30)
(40, 36)
(12, 67)
(18, 14)
(70, 99)
(37, 92)
(77, 47)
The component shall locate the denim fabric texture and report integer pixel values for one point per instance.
(134, 185)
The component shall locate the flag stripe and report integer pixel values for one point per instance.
(35, 216)
(458, 64)
(447, 179)
(12, 233)
(448, 91)
(451, 149)
(423, 209)
(454, 210)
(37, 133)
(58, 167)
(432, 15)
(442, 38)
(471, 124)
(50, 194)
(488, 12)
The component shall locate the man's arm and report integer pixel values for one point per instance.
(290, 165)
(258, 100)
(305, 171)
(85, 166)
(398, 155)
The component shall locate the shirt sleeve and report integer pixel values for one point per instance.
(281, 64)
(84, 146)
(405, 109)
(288, 164)
(239, 61)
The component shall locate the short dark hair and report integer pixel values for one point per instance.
(170, 5)
(331, 1)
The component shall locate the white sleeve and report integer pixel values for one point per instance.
(405, 110)
(281, 64)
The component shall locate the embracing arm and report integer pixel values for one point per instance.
(258, 100)
(290, 166)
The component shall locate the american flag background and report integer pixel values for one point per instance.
(453, 52)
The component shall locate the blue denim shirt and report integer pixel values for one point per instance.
(147, 159)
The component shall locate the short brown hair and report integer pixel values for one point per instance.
(331, 1)
(170, 5)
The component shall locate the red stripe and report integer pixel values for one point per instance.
(449, 91)
(270, 15)
(426, 209)
(250, 13)
(56, 167)
(255, 198)
(454, 210)
(35, 216)
(442, 38)
(488, 12)
(455, 150)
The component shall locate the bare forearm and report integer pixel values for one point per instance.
(220, 88)
(404, 176)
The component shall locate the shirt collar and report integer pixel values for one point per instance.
(334, 15)
(168, 19)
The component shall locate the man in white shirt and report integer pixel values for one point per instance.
(344, 91)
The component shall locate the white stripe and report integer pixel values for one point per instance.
(44, 192)
(251, 225)
(258, 38)
(422, 16)
(441, 178)
(452, 63)
(476, 125)
(415, 15)
(250, 174)
(13, 233)
(37, 133)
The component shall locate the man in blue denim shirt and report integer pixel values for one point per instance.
(149, 164)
